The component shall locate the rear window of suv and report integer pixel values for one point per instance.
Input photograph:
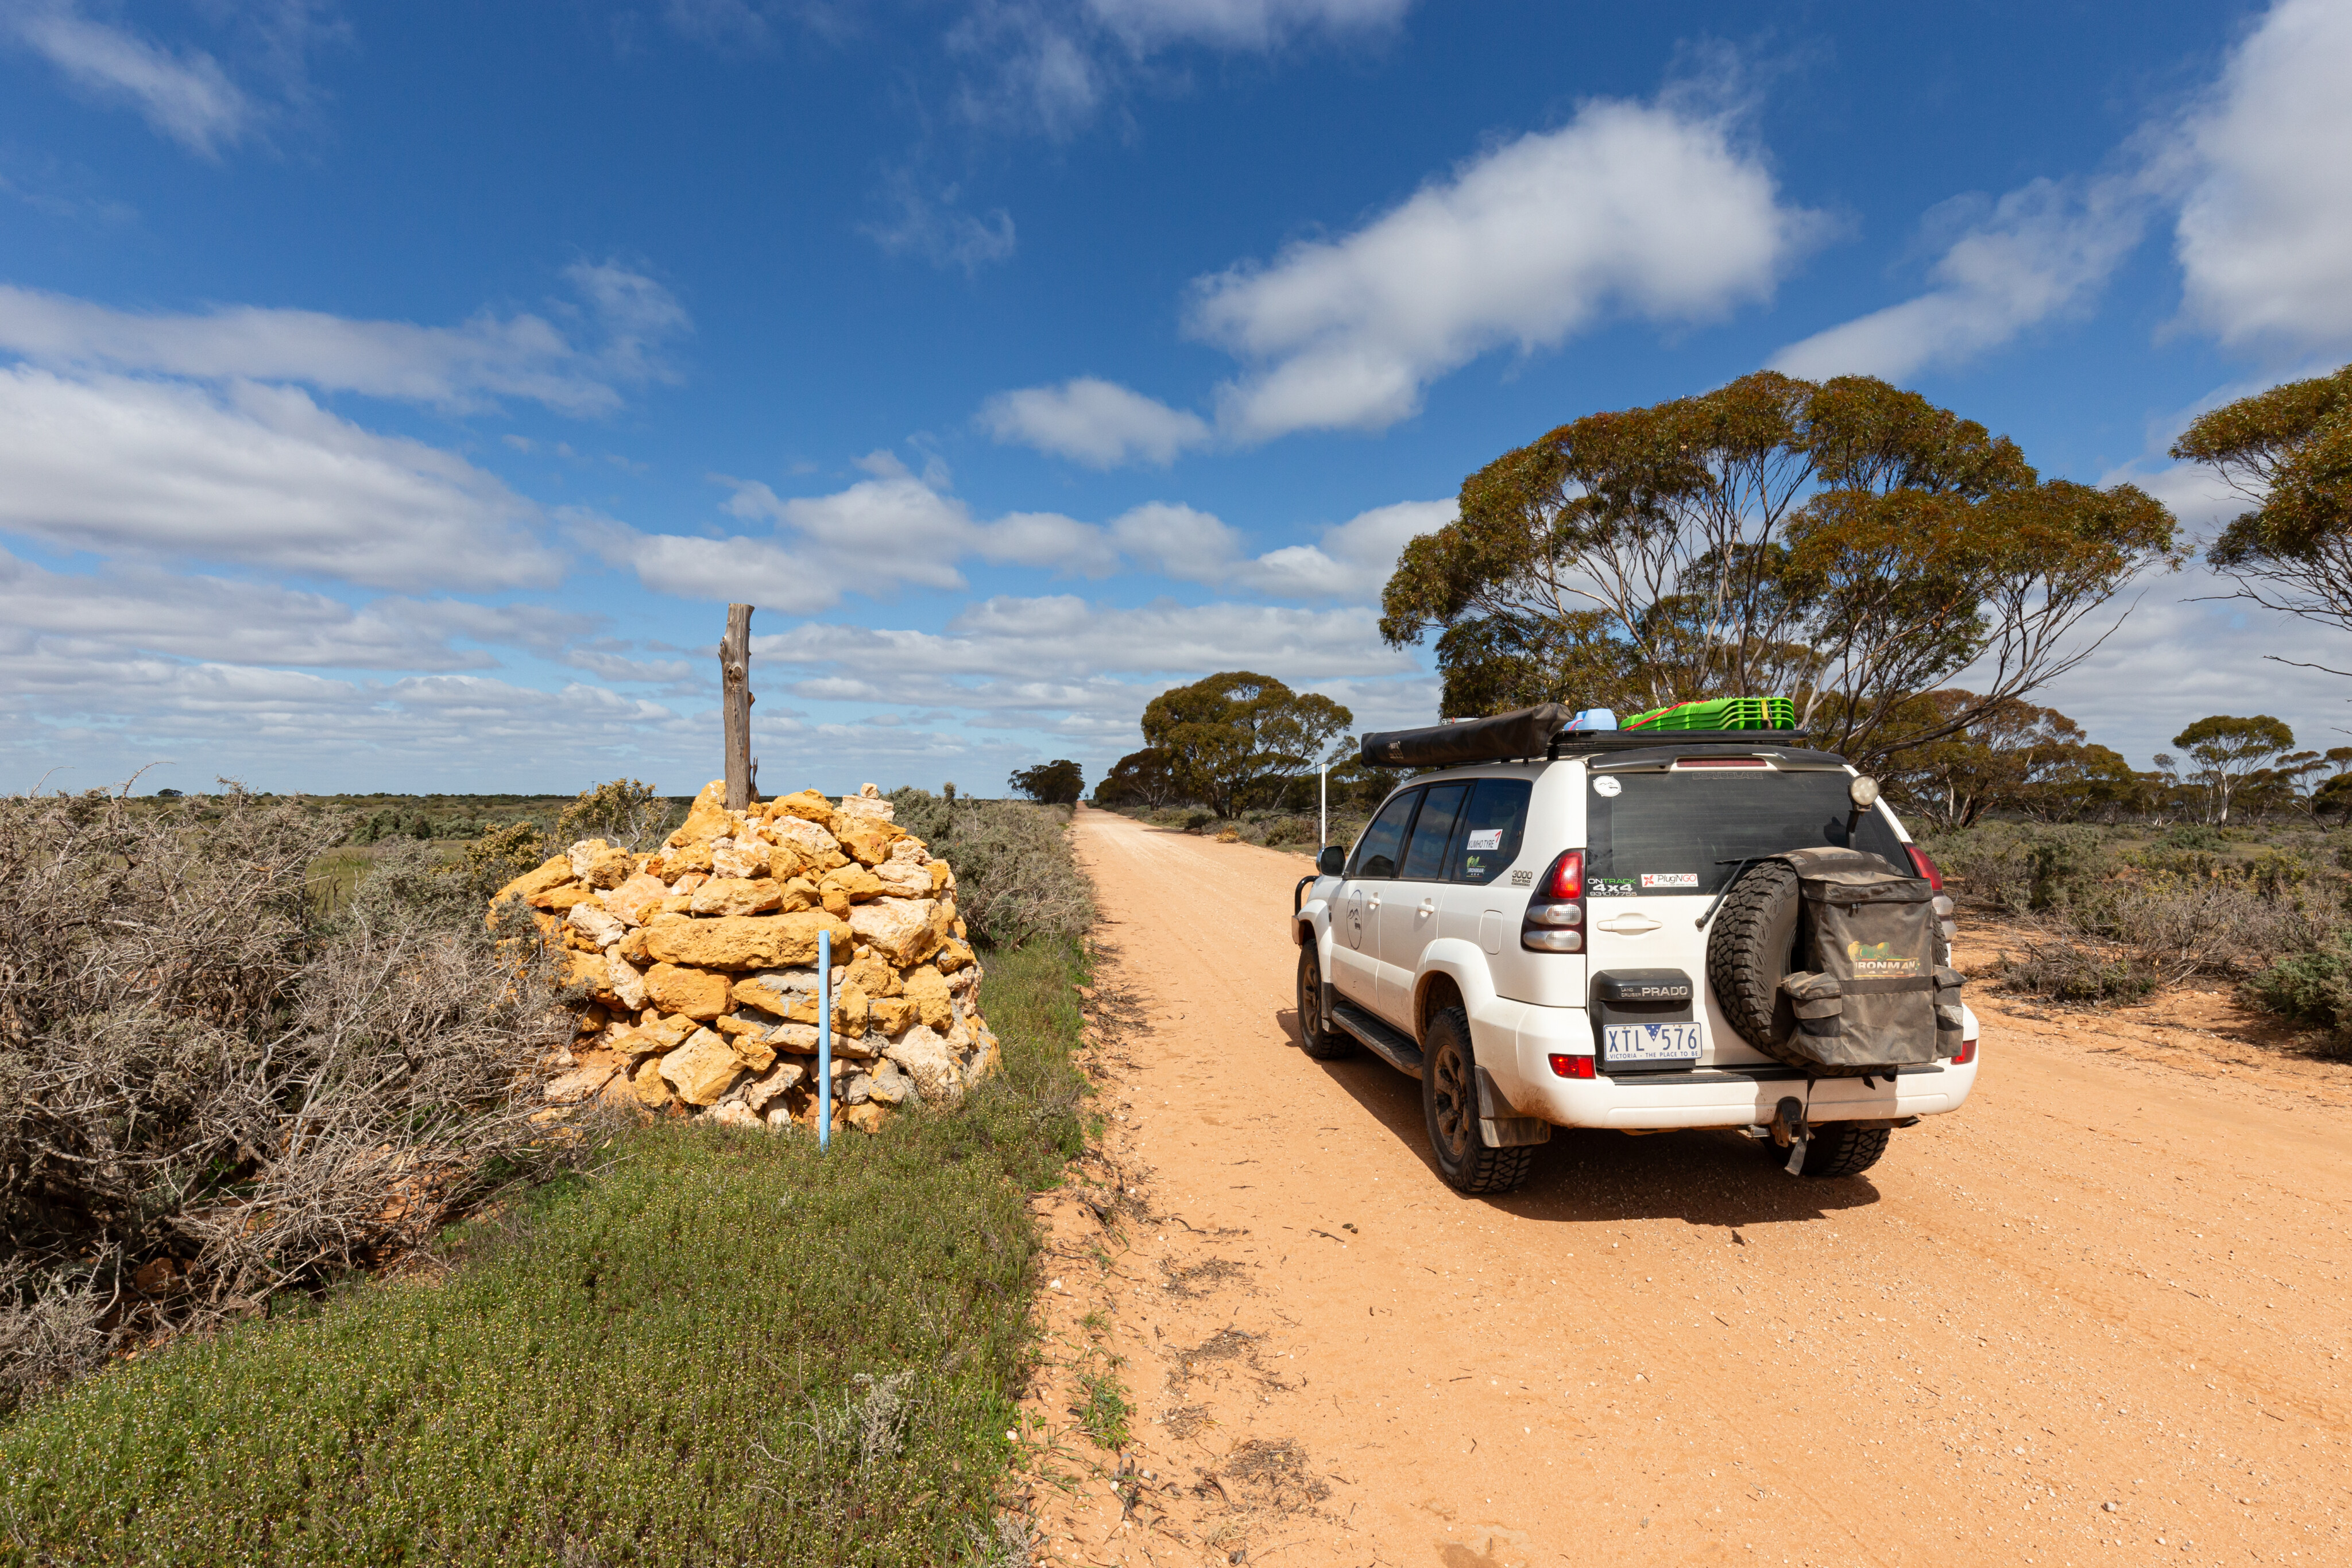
(1688, 831)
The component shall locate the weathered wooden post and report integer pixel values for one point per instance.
(735, 681)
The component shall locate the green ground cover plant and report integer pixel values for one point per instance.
(718, 1347)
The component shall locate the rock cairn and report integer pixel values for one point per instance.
(697, 965)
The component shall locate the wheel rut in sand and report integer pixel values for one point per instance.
(2114, 1277)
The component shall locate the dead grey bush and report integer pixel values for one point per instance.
(211, 1090)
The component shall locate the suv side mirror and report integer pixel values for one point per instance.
(1331, 861)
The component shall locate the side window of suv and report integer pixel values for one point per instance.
(1376, 853)
(1492, 826)
(1424, 856)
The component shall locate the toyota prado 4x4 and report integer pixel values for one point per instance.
(1637, 929)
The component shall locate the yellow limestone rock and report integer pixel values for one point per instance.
(560, 899)
(930, 1062)
(745, 941)
(818, 849)
(788, 1075)
(532, 884)
(658, 1038)
(928, 989)
(739, 858)
(691, 993)
(953, 954)
(857, 886)
(737, 895)
(628, 982)
(685, 861)
(649, 1085)
(892, 1015)
(808, 806)
(868, 838)
(903, 930)
(708, 820)
(636, 898)
(594, 921)
(702, 1069)
(871, 975)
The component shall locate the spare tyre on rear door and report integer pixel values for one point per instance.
(1831, 959)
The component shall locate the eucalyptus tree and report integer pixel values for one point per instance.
(1845, 543)
(2289, 452)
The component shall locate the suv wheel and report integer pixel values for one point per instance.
(1324, 1044)
(1836, 1151)
(1449, 1102)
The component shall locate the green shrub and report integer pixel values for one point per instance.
(623, 811)
(2192, 836)
(2313, 988)
(1017, 878)
(723, 1348)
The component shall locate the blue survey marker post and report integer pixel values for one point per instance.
(824, 1040)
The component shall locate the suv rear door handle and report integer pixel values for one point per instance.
(1429, 906)
(1628, 924)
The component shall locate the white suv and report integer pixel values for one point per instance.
(1530, 939)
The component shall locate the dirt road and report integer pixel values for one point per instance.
(2101, 1315)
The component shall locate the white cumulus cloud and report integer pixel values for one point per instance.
(2264, 236)
(253, 474)
(1094, 422)
(2041, 251)
(451, 367)
(1647, 210)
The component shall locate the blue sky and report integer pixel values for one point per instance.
(394, 396)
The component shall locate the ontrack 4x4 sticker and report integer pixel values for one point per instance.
(1610, 887)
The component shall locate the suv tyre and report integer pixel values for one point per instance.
(1747, 951)
(1837, 1151)
(1323, 1044)
(1449, 1104)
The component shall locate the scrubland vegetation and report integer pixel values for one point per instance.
(293, 1112)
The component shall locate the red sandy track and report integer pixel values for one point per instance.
(2118, 1276)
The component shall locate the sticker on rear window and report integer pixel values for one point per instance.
(1610, 887)
(1606, 785)
(1670, 879)
(1486, 838)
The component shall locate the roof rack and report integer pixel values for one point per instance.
(1663, 739)
(1539, 732)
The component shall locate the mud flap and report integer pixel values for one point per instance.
(1500, 1127)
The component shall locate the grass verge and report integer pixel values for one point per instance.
(724, 1348)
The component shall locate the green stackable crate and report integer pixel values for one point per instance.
(1723, 713)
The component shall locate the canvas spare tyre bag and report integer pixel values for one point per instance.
(1831, 959)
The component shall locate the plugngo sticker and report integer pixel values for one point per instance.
(1608, 786)
(1667, 880)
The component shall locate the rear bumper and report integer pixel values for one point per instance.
(1515, 1043)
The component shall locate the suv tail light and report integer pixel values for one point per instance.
(1944, 905)
(1966, 1054)
(1555, 918)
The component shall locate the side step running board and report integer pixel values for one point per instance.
(1392, 1045)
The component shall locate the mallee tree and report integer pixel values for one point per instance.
(1845, 543)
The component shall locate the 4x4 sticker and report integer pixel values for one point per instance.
(1610, 887)
(1688, 879)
